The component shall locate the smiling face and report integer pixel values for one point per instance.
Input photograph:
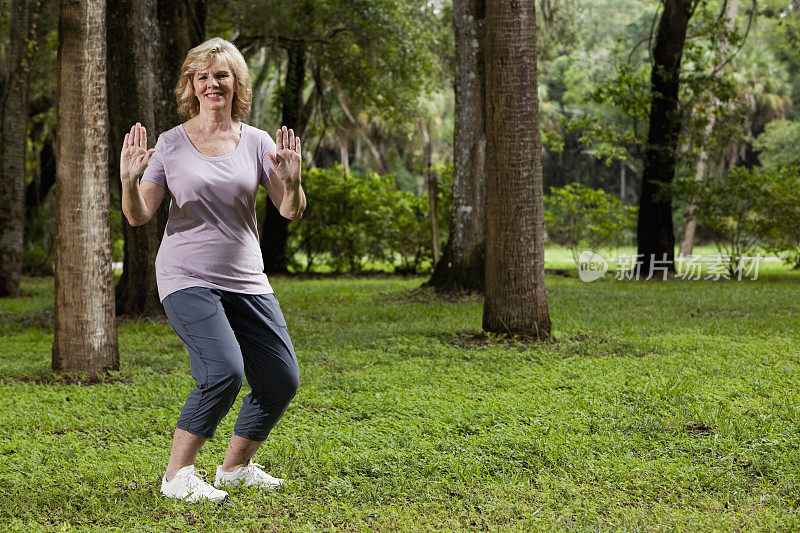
(214, 86)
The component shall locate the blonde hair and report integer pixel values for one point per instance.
(198, 58)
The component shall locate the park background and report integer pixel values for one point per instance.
(651, 404)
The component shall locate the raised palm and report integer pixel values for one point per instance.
(287, 160)
(134, 156)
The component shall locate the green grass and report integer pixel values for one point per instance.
(660, 406)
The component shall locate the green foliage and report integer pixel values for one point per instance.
(597, 88)
(616, 123)
(746, 209)
(779, 29)
(553, 141)
(556, 27)
(578, 218)
(626, 96)
(604, 90)
(359, 217)
(705, 71)
(381, 53)
(783, 238)
(779, 144)
(763, 84)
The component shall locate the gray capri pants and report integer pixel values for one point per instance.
(230, 335)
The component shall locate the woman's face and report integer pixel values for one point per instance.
(214, 86)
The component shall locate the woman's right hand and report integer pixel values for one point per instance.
(135, 155)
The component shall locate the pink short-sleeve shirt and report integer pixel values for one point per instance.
(211, 237)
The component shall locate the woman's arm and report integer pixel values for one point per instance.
(287, 196)
(140, 202)
(284, 186)
(139, 199)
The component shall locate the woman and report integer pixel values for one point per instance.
(209, 268)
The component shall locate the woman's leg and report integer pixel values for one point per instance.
(199, 319)
(271, 368)
(239, 453)
(184, 451)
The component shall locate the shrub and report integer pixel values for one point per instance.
(362, 217)
(778, 144)
(578, 217)
(746, 209)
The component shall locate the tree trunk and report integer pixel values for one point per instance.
(135, 91)
(376, 143)
(701, 168)
(292, 105)
(357, 156)
(344, 155)
(143, 71)
(367, 132)
(516, 301)
(261, 88)
(14, 81)
(85, 334)
(463, 263)
(181, 25)
(296, 115)
(655, 235)
(430, 185)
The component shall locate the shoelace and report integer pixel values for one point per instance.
(196, 481)
(258, 471)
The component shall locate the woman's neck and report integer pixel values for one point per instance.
(211, 121)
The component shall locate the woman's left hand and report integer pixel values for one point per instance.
(287, 159)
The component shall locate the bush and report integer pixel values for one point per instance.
(783, 237)
(362, 217)
(578, 217)
(746, 209)
(778, 144)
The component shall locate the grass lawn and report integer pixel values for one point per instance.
(659, 406)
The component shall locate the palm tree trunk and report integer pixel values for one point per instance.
(14, 80)
(463, 263)
(85, 334)
(516, 301)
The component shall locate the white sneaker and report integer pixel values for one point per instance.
(189, 486)
(247, 476)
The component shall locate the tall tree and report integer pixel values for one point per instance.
(296, 112)
(14, 81)
(516, 301)
(142, 72)
(701, 167)
(655, 234)
(463, 263)
(41, 163)
(85, 334)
